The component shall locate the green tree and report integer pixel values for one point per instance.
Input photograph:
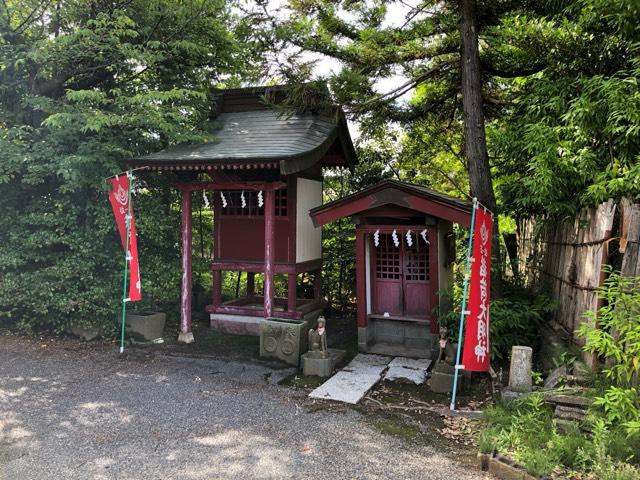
(82, 86)
(571, 138)
(461, 57)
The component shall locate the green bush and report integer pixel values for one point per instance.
(567, 448)
(515, 318)
(525, 431)
(614, 334)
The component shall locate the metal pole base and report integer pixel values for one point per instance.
(186, 337)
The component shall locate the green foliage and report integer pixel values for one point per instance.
(570, 138)
(526, 431)
(82, 86)
(616, 338)
(614, 331)
(515, 319)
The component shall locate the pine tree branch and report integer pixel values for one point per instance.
(491, 69)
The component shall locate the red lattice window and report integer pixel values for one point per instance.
(234, 203)
(387, 258)
(281, 203)
(416, 261)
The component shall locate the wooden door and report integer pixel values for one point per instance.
(416, 279)
(387, 277)
(401, 277)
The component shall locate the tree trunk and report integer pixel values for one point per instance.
(475, 140)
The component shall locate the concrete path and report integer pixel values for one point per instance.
(69, 413)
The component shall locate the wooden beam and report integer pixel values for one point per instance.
(361, 289)
(385, 195)
(269, 251)
(186, 335)
(254, 266)
(265, 186)
(216, 287)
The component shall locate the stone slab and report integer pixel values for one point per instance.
(404, 374)
(572, 400)
(556, 377)
(353, 382)
(415, 363)
(365, 360)
(348, 387)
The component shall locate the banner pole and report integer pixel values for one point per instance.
(126, 261)
(463, 311)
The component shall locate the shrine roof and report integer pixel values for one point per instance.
(249, 133)
(392, 192)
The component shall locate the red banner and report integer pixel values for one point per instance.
(476, 354)
(119, 198)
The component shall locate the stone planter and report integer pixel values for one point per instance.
(145, 327)
(284, 339)
(502, 467)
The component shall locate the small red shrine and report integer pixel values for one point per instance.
(405, 250)
(264, 174)
(264, 170)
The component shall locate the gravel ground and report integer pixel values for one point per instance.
(73, 411)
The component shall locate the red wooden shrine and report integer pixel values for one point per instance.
(400, 275)
(263, 170)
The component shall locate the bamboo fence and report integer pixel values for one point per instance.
(566, 256)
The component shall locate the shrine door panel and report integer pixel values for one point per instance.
(416, 278)
(387, 281)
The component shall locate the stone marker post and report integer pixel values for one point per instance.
(520, 370)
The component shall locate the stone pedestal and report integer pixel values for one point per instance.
(520, 369)
(285, 339)
(314, 363)
(442, 378)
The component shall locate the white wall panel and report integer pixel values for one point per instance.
(308, 237)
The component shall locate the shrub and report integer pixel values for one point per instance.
(567, 448)
(614, 334)
(515, 318)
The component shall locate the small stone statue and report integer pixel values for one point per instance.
(318, 338)
(447, 350)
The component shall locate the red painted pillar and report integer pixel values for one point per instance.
(361, 288)
(269, 250)
(291, 291)
(216, 288)
(186, 336)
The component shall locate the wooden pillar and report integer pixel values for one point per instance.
(251, 284)
(186, 335)
(269, 251)
(361, 287)
(216, 288)
(292, 283)
(317, 285)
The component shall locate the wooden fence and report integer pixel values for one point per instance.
(566, 256)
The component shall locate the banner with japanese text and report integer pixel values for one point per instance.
(476, 353)
(119, 199)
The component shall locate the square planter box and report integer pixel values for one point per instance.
(284, 339)
(145, 327)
